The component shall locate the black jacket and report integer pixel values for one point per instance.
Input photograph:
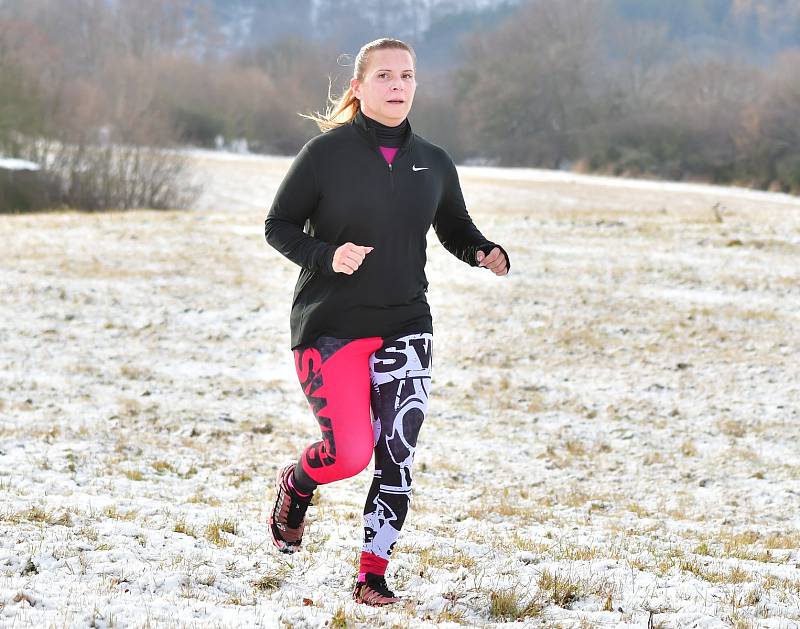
(340, 189)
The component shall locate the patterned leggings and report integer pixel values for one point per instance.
(343, 381)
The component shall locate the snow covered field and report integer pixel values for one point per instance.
(613, 437)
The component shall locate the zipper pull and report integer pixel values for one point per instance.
(390, 166)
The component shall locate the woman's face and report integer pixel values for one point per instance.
(387, 90)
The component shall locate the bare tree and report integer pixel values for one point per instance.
(147, 27)
(769, 139)
(525, 88)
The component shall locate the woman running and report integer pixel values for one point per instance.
(353, 212)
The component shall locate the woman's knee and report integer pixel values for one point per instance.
(353, 459)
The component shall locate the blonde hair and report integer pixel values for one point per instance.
(343, 109)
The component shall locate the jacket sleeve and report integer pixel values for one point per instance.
(295, 201)
(455, 228)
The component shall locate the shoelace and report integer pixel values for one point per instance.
(297, 510)
(378, 583)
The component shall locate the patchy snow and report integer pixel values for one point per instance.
(613, 430)
(560, 176)
(9, 163)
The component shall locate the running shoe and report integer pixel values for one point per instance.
(374, 591)
(287, 520)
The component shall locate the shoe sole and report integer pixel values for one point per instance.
(361, 601)
(376, 604)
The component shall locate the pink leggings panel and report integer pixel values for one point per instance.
(337, 386)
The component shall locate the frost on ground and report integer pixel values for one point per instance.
(612, 438)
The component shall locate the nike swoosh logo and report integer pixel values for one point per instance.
(415, 169)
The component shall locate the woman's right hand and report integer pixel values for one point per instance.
(348, 257)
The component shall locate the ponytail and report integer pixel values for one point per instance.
(339, 111)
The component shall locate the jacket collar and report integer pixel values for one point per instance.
(360, 123)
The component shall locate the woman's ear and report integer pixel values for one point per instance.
(355, 85)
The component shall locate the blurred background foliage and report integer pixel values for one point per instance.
(705, 90)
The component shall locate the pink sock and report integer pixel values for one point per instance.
(371, 563)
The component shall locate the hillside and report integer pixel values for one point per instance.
(433, 26)
(762, 26)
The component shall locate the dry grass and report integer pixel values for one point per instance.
(508, 605)
(163, 467)
(270, 580)
(635, 365)
(39, 515)
(558, 589)
(783, 540)
(200, 498)
(182, 527)
(216, 528)
(450, 559)
(135, 475)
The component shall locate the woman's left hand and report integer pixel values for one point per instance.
(495, 261)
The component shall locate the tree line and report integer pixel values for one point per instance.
(579, 85)
(571, 85)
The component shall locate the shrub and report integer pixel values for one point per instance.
(113, 177)
(26, 191)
